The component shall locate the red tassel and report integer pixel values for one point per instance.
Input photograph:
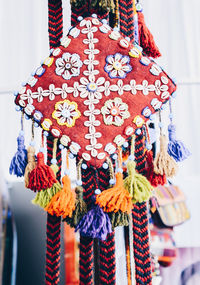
(146, 40)
(154, 179)
(42, 176)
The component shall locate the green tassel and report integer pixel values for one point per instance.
(119, 219)
(80, 210)
(43, 197)
(137, 185)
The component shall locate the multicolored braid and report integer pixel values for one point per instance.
(126, 18)
(53, 230)
(140, 224)
(55, 22)
(107, 247)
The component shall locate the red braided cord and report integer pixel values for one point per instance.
(140, 225)
(126, 18)
(107, 247)
(55, 22)
(53, 230)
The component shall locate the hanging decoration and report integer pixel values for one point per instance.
(92, 97)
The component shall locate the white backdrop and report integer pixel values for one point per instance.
(175, 25)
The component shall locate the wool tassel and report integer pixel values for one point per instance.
(154, 179)
(19, 161)
(176, 148)
(44, 197)
(116, 198)
(42, 176)
(31, 164)
(146, 40)
(137, 185)
(164, 163)
(119, 219)
(95, 224)
(63, 203)
(80, 209)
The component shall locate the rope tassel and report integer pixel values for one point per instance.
(154, 179)
(164, 163)
(95, 224)
(63, 203)
(31, 164)
(146, 40)
(176, 148)
(19, 161)
(116, 198)
(42, 176)
(137, 185)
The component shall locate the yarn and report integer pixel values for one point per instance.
(116, 198)
(19, 160)
(154, 179)
(119, 219)
(80, 209)
(95, 224)
(176, 148)
(137, 185)
(146, 40)
(105, 5)
(164, 163)
(63, 203)
(42, 176)
(31, 164)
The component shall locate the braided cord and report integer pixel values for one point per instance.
(53, 230)
(126, 18)
(140, 224)
(86, 257)
(55, 22)
(107, 247)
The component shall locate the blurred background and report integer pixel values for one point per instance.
(175, 25)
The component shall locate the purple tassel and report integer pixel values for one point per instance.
(176, 148)
(95, 224)
(19, 161)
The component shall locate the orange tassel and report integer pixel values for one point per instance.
(116, 198)
(63, 203)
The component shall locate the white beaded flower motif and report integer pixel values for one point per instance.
(66, 113)
(115, 112)
(117, 65)
(68, 65)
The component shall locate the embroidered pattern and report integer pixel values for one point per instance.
(115, 112)
(66, 113)
(68, 65)
(117, 65)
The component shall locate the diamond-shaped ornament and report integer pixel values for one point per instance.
(94, 90)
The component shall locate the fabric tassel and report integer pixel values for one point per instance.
(42, 176)
(146, 40)
(119, 219)
(19, 161)
(154, 179)
(31, 164)
(176, 148)
(164, 163)
(116, 198)
(95, 224)
(80, 209)
(137, 185)
(63, 203)
(44, 197)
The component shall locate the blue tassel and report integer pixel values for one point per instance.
(95, 224)
(19, 161)
(176, 148)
